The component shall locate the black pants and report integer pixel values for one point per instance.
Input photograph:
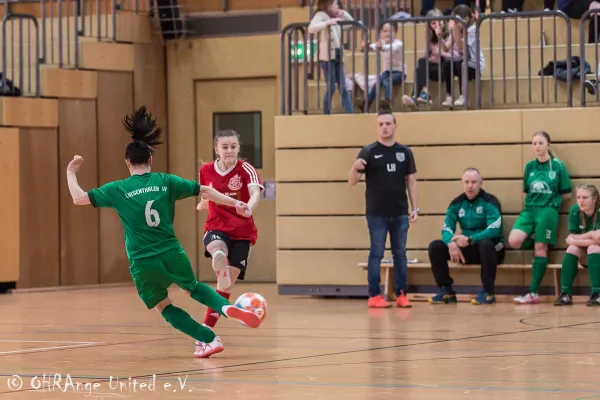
(450, 68)
(576, 9)
(483, 253)
(422, 67)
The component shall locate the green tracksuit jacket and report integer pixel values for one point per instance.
(479, 219)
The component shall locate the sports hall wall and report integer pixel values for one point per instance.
(322, 237)
(219, 75)
(46, 240)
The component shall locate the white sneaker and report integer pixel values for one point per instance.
(460, 101)
(219, 264)
(529, 298)
(205, 350)
(448, 102)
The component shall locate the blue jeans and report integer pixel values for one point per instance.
(384, 80)
(337, 76)
(378, 229)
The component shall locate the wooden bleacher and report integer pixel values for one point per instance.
(322, 238)
(387, 275)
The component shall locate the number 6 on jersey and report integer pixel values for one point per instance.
(152, 217)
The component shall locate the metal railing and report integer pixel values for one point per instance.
(594, 28)
(371, 12)
(63, 22)
(290, 76)
(528, 15)
(62, 48)
(23, 64)
(445, 67)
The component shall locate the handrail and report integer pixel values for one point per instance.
(363, 27)
(287, 30)
(582, 43)
(528, 15)
(21, 18)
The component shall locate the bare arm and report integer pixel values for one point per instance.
(255, 196)
(356, 171)
(566, 196)
(582, 242)
(211, 194)
(411, 185)
(80, 197)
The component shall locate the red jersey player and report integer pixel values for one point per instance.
(228, 236)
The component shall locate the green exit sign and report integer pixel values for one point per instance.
(298, 51)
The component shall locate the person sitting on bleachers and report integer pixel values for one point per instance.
(326, 21)
(481, 241)
(583, 249)
(455, 67)
(439, 49)
(393, 70)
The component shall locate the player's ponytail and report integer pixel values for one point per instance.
(145, 134)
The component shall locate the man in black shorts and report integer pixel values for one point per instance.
(389, 169)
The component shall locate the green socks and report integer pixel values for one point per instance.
(206, 295)
(537, 274)
(568, 272)
(594, 271)
(182, 321)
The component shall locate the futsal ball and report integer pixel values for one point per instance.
(253, 302)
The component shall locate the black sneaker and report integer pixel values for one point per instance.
(564, 299)
(590, 86)
(594, 300)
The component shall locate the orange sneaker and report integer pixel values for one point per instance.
(402, 301)
(378, 302)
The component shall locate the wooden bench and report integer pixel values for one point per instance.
(388, 276)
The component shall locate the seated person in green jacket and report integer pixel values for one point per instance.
(481, 241)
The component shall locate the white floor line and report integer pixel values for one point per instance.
(43, 349)
(48, 341)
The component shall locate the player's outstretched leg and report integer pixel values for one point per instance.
(183, 322)
(206, 295)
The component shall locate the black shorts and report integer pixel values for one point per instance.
(238, 251)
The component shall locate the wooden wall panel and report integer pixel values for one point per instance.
(182, 141)
(559, 125)
(432, 162)
(352, 233)
(339, 198)
(340, 267)
(361, 129)
(39, 208)
(78, 224)
(10, 205)
(149, 89)
(115, 100)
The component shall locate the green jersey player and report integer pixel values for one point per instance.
(546, 183)
(582, 248)
(145, 203)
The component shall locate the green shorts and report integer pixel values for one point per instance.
(152, 276)
(542, 222)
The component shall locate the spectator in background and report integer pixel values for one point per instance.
(326, 21)
(479, 215)
(455, 68)
(576, 8)
(389, 169)
(439, 49)
(392, 64)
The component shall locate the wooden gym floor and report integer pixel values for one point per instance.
(306, 349)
